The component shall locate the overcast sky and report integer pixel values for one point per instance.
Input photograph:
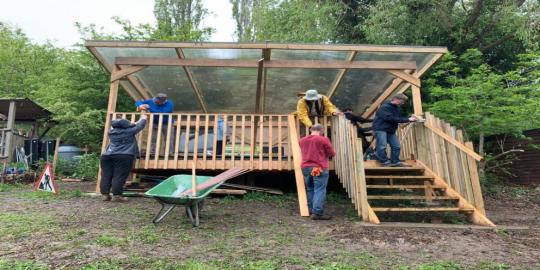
(54, 20)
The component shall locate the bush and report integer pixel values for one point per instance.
(84, 167)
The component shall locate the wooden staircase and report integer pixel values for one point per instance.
(443, 179)
(407, 189)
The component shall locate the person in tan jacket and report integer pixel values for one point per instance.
(312, 105)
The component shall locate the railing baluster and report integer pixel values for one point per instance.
(224, 143)
(233, 141)
(280, 145)
(196, 141)
(149, 141)
(214, 144)
(242, 138)
(186, 141)
(270, 142)
(252, 141)
(159, 131)
(261, 139)
(205, 144)
(167, 141)
(289, 146)
(177, 139)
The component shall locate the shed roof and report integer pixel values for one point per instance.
(25, 109)
(260, 77)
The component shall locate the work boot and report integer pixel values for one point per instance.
(118, 198)
(320, 217)
(105, 197)
(386, 163)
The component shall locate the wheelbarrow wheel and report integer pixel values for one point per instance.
(192, 212)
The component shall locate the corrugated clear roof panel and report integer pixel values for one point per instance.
(308, 55)
(110, 53)
(360, 87)
(419, 58)
(229, 90)
(254, 54)
(284, 84)
(172, 81)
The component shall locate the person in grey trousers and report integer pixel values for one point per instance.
(117, 160)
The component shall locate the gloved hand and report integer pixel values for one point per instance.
(316, 171)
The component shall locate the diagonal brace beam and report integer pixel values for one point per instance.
(196, 89)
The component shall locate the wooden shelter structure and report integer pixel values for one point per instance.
(18, 111)
(252, 87)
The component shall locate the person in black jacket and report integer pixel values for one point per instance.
(117, 160)
(356, 120)
(385, 124)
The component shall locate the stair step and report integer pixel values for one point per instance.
(405, 177)
(406, 186)
(394, 169)
(421, 209)
(409, 197)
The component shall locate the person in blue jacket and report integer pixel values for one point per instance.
(385, 124)
(159, 104)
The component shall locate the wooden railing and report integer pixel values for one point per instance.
(349, 166)
(441, 148)
(251, 141)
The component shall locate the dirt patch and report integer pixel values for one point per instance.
(80, 230)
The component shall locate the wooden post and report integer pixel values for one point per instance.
(475, 182)
(111, 108)
(10, 126)
(297, 160)
(361, 178)
(417, 100)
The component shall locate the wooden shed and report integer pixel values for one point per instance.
(15, 112)
(252, 88)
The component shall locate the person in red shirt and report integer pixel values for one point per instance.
(316, 150)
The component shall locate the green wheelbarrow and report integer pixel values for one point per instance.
(168, 194)
(177, 190)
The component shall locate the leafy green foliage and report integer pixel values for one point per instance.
(294, 20)
(482, 101)
(500, 29)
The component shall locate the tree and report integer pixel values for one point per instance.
(180, 20)
(242, 11)
(483, 102)
(354, 14)
(499, 29)
(296, 21)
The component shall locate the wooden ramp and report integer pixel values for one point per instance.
(413, 188)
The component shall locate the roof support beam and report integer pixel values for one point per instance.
(400, 85)
(340, 75)
(196, 89)
(259, 86)
(119, 74)
(148, 61)
(134, 96)
(406, 77)
(266, 45)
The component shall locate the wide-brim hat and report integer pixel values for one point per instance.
(161, 96)
(312, 94)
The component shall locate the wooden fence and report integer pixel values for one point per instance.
(441, 148)
(349, 166)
